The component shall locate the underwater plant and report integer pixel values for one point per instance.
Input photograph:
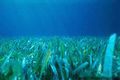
(59, 58)
(107, 67)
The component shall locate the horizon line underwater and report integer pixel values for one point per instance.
(59, 39)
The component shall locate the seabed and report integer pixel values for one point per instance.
(60, 58)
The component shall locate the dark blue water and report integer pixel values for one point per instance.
(59, 17)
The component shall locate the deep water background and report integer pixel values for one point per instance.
(59, 17)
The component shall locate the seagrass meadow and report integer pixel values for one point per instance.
(60, 58)
(59, 39)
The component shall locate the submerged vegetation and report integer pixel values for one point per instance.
(59, 58)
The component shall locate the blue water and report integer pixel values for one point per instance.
(59, 17)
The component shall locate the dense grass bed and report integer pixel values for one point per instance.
(57, 58)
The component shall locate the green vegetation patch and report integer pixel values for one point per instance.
(58, 58)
